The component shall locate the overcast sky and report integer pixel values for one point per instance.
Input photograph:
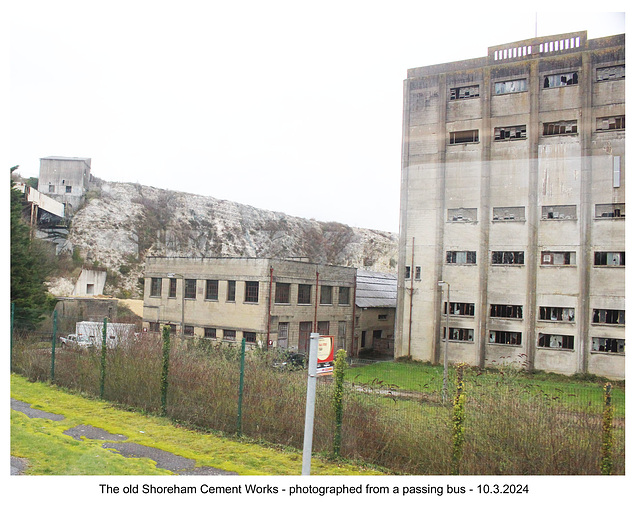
(288, 106)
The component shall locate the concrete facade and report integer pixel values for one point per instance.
(90, 282)
(65, 179)
(513, 191)
(271, 302)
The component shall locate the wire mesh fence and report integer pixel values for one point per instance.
(396, 415)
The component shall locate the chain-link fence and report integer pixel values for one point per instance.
(395, 414)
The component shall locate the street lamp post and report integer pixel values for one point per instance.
(445, 377)
(174, 275)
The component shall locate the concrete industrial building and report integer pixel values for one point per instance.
(513, 195)
(65, 179)
(270, 302)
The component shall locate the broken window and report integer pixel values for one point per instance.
(458, 334)
(382, 316)
(602, 316)
(555, 313)
(513, 86)
(610, 73)
(212, 290)
(456, 257)
(558, 258)
(323, 327)
(555, 341)
(156, 288)
(251, 292)
(154, 327)
(507, 257)
(209, 332)
(190, 288)
(463, 136)
(189, 331)
(304, 294)
(343, 295)
(249, 336)
(510, 133)
(465, 92)
(611, 345)
(326, 295)
(68, 189)
(557, 128)
(608, 259)
(505, 337)
(559, 212)
(506, 311)
(173, 287)
(460, 309)
(509, 213)
(52, 188)
(228, 334)
(462, 215)
(610, 123)
(558, 80)
(610, 210)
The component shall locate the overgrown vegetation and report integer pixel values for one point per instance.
(397, 421)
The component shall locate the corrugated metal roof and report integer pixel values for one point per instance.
(376, 290)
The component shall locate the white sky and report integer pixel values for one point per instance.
(288, 106)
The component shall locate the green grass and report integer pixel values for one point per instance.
(575, 394)
(50, 452)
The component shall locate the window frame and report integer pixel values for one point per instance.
(470, 136)
(599, 255)
(326, 291)
(516, 311)
(562, 313)
(507, 336)
(344, 296)
(283, 294)
(155, 287)
(459, 334)
(190, 285)
(449, 257)
(304, 294)
(547, 340)
(251, 291)
(212, 288)
(518, 255)
(607, 345)
(548, 259)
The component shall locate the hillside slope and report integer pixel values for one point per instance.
(121, 223)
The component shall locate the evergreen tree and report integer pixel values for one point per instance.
(30, 265)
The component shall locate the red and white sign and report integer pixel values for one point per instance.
(325, 355)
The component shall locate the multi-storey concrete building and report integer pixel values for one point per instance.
(65, 179)
(270, 302)
(513, 194)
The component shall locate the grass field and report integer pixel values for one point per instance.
(51, 452)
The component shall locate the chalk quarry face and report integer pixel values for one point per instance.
(121, 223)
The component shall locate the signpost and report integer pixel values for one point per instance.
(320, 363)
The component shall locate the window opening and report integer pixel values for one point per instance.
(463, 137)
(283, 291)
(251, 292)
(510, 133)
(507, 257)
(513, 86)
(212, 290)
(465, 92)
(555, 341)
(462, 215)
(558, 80)
(557, 128)
(156, 287)
(611, 345)
(505, 337)
(554, 313)
(609, 258)
(509, 213)
(173, 287)
(464, 257)
(506, 311)
(603, 316)
(343, 296)
(231, 290)
(467, 309)
(610, 210)
(304, 294)
(558, 258)
(209, 332)
(249, 336)
(458, 334)
(610, 123)
(228, 334)
(190, 288)
(326, 295)
(610, 73)
(559, 212)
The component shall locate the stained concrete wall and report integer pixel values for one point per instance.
(573, 168)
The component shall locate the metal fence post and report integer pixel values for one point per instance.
(241, 388)
(53, 344)
(311, 404)
(164, 380)
(103, 357)
(13, 309)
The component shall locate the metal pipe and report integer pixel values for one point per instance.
(445, 377)
(315, 314)
(413, 248)
(269, 309)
